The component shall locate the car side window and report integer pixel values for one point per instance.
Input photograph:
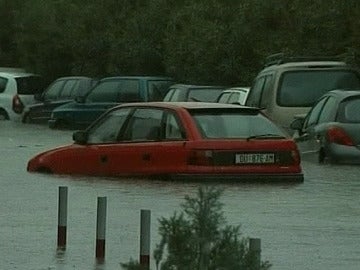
(169, 95)
(53, 91)
(144, 125)
(68, 88)
(256, 92)
(107, 130)
(313, 116)
(265, 95)
(3, 83)
(177, 95)
(172, 128)
(328, 112)
(128, 91)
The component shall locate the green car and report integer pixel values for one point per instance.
(109, 92)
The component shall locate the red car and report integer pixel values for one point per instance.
(178, 140)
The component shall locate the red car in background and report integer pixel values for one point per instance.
(178, 140)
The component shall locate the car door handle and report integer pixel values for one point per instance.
(104, 159)
(146, 157)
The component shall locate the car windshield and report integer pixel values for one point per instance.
(349, 111)
(29, 85)
(204, 94)
(224, 124)
(303, 88)
(123, 90)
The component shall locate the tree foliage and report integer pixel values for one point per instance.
(198, 238)
(199, 41)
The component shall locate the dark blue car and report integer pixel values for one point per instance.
(108, 93)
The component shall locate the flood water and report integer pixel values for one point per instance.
(313, 225)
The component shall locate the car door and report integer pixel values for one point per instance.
(308, 142)
(154, 142)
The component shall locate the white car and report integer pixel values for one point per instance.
(234, 95)
(17, 90)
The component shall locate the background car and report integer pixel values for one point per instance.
(59, 92)
(288, 86)
(17, 89)
(331, 130)
(108, 93)
(186, 92)
(234, 95)
(186, 140)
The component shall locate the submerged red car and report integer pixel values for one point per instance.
(178, 140)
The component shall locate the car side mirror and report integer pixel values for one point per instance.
(297, 124)
(80, 137)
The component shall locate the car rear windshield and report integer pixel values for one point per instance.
(157, 89)
(349, 111)
(123, 90)
(204, 94)
(217, 124)
(29, 85)
(303, 88)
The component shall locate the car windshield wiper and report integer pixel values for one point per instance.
(265, 136)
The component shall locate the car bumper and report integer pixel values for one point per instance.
(298, 177)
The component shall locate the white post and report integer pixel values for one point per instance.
(145, 238)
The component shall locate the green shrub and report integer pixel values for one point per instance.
(198, 238)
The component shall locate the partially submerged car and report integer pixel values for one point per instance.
(108, 92)
(178, 140)
(61, 91)
(330, 132)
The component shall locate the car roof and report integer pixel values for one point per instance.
(188, 105)
(17, 74)
(137, 77)
(73, 77)
(237, 89)
(307, 64)
(343, 93)
(195, 86)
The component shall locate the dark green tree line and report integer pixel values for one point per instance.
(199, 41)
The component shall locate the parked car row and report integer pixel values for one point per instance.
(155, 127)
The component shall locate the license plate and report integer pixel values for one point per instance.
(255, 158)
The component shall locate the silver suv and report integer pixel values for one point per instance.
(17, 90)
(289, 86)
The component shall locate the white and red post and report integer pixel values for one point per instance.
(100, 228)
(145, 238)
(62, 217)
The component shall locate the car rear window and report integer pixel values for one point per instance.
(29, 85)
(218, 124)
(303, 88)
(349, 111)
(204, 94)
(157, 89)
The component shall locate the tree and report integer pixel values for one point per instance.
(199, 238)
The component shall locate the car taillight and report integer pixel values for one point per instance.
(338, 136)
(288, 158)
(200, 158)
(17, 105)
